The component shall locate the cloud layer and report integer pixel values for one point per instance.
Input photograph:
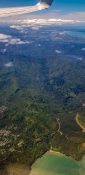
(10, 40)
(36, 23)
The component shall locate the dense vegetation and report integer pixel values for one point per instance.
(40, 96)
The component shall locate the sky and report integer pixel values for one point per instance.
(65, 5)
(68, 9)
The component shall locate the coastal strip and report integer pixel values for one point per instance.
(56, 152)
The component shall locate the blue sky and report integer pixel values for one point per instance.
(65, 5)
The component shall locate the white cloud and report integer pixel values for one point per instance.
(79, 58)
(58, 51)
(9, 64)
(35, 28)
(83, 49)
(43, 21)
(8, 39)
(4, 38)
(39, 45)
(37, 23)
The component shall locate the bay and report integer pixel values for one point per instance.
(57, 164)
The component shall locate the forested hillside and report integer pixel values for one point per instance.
(40, 96)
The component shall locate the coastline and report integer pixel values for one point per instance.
(56, 152)
(18, 169)
(55, 162)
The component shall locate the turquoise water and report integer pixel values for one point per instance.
(52, 164)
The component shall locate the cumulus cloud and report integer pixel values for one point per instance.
(58, 51)
(83, 49)
(8, 39)
(4, 38)
(9, 64)
(42, 21)
(36, 24)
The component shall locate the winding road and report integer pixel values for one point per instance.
(79, 123)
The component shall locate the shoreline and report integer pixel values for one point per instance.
(56, 152)
(17, 169)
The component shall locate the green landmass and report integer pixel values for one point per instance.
(35, 98)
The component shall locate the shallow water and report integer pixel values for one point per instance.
(52, 164)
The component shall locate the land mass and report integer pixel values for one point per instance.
(40, 95)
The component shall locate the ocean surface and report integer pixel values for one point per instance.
(57, 164)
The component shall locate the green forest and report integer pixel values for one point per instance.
(39, 101)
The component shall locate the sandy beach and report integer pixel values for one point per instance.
(56, 153)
